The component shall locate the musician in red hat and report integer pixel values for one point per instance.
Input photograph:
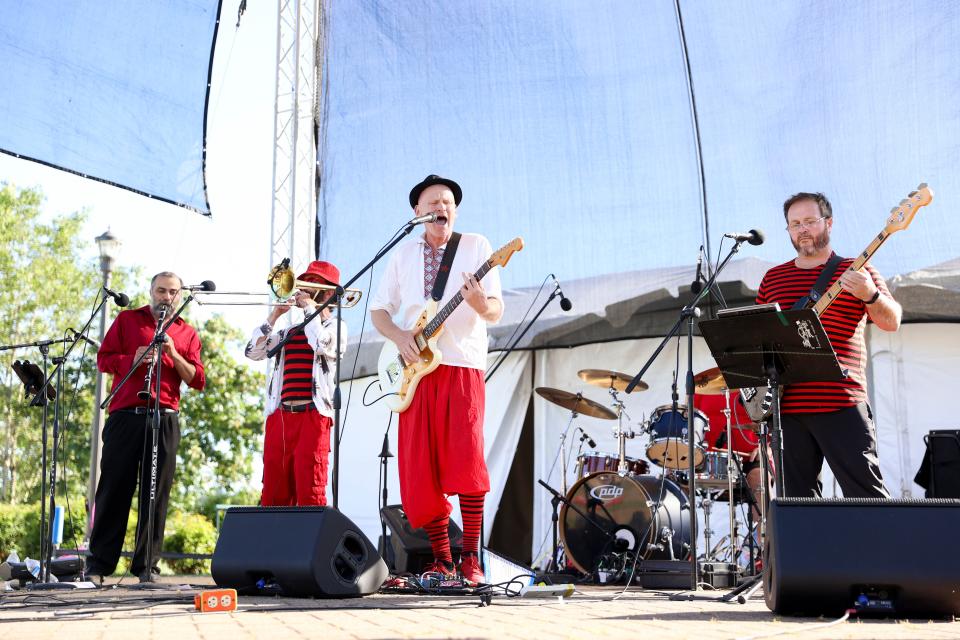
(296, 443)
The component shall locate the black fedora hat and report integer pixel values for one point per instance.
(431, 180)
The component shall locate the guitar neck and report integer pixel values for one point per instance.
(434, 325)
(834, 291)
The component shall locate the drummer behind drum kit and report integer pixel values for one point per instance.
(616, 514)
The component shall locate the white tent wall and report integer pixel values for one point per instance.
(508, 393)
(913, 376)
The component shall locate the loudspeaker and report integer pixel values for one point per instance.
(940, 471)
(298, 551)
(410, 549)
(890, 557)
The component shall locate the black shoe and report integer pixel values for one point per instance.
(149, 576)
(95, 578)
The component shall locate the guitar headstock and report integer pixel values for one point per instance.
(902, 215)
(502, 255)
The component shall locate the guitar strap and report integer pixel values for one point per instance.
(441, 282)
(821, 284)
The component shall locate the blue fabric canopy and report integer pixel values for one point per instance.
(570, 124)
(112, 90)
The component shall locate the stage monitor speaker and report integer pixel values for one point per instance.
(889, 557)
(940, 471)
(296, 551)
(410, 549)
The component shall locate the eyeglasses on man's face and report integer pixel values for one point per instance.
(805, 224)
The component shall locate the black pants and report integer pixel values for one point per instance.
(127, 444)
(848, 441)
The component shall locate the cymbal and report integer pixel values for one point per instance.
(576, 403)
(710, 382)
(610, 379)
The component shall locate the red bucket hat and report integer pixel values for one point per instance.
(325, 271)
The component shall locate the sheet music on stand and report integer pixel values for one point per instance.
(748, 343)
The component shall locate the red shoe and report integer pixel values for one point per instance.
(471, 571)
(440, 569)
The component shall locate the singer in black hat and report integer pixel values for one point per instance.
(441, 433)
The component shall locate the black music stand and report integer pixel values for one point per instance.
(768, 347)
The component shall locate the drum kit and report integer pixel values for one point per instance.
(616, 512)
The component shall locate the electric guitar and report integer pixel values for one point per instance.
(398, 379)
(755, 400)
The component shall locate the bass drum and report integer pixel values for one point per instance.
(643, 514)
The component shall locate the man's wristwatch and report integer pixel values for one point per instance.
(876, 296)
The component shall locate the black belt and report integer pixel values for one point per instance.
(142, 411)
(297, 408)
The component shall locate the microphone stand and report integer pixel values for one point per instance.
(46, 542)
(153, 420)
(506, 352)
(334, 481)
(384, 456)
(689, 313)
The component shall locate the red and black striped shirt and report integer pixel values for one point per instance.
(297, 369)
(843, 320)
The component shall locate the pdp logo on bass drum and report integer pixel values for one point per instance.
(606, 492)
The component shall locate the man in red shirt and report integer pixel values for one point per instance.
(830, 420)
(127, 438)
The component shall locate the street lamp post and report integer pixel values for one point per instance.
(108, 245)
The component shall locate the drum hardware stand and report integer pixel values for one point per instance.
(619, 433)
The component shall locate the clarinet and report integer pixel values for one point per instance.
(145, 394)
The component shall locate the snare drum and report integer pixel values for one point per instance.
(713, 473)
(594, 462)
(669, 446)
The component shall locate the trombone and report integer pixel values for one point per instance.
(283, 283)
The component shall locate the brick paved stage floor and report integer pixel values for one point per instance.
(592, 612)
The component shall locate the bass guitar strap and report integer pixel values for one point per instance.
(821, 284)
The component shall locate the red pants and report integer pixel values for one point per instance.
(441, 443)
(296, 451)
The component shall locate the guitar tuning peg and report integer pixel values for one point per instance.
(921, 186)
(911, 194)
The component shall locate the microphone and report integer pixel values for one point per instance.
(697, 286)
(586, 436)
(565, 303)
(206, 285)
(81, 336)
(754, 236)
(430, 217)
(121, 299)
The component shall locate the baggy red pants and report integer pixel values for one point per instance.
(296, 457)
(441, 443)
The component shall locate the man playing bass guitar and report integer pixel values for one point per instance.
(830, 420)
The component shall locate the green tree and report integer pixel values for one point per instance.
(221, 426)
(43, 288)
(46, 286)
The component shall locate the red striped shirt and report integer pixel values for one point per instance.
(297, 369)
(843, 321)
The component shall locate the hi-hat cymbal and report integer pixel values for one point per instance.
(610, 379)
(710, 382)
(576, 403)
